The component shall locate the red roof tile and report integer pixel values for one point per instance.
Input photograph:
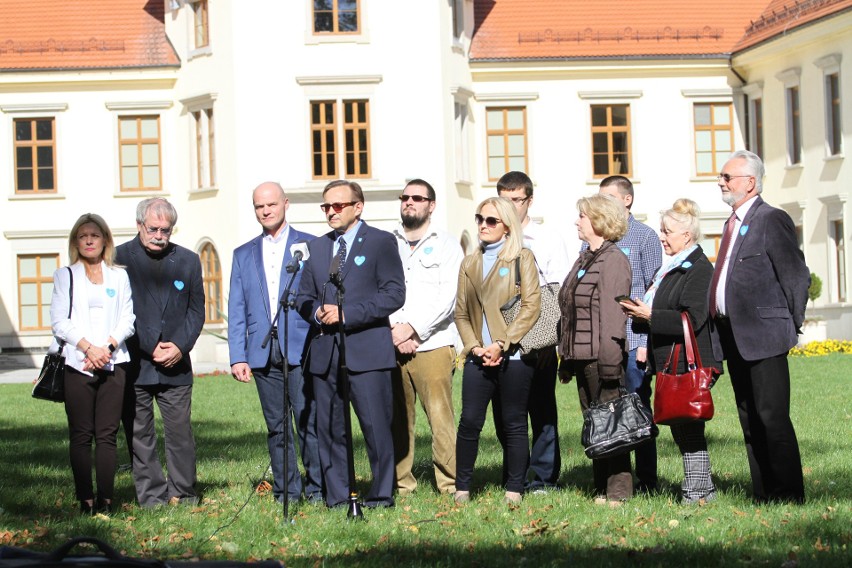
(783, 16)
(91, 34)
(560, 29)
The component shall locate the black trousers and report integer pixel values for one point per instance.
(93, 406)
(762, 392)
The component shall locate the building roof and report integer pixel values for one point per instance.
(604, 29)
(783, 16)
(91, 34)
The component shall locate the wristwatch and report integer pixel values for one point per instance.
(111, 347)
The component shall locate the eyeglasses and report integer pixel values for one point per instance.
(338, 207)
(729, 177)
(414, 198)
(490, 222)
(154, 230)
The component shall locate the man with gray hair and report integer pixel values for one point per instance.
(168, 300)
(757, 304)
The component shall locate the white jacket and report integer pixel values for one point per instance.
(118, 313)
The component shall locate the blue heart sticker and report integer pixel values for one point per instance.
(743, 230)
(503, 271)
(427, 250)
(179, 284)
(110, 292)
(580, 273)
(686, 264)
(626, 250)
(359, 260)
(360, 239)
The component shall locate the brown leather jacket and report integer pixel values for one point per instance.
(593, 324)
(474, 294)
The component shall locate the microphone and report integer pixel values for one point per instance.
(295, 264)
(334, 269)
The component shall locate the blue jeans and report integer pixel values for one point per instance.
(270, 389)
(646, 455)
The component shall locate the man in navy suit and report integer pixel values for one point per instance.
(168, 300)
(366, 260)
(259, 273)
(757, 304)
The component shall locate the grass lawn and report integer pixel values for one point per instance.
(38, 509)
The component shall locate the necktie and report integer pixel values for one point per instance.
(341, 251)
(720, 261)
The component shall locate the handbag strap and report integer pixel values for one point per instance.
(518, 274)
(693, 357)
(672, 361)
(70, 302)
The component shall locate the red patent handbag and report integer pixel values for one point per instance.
(684, 397)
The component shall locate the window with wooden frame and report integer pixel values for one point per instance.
(710, 244)
(139, 151)
(506, 134)
(35, 289)
(201, 23)
(714, 136)
(336, 16)
(35, 155)
(327, 128)
(794, 126)
(205, 148)
(834, 135)
(211, 273)
(611, 140)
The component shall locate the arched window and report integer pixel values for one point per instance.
(211, 272)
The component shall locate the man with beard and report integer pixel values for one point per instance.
(757, 304)
(168, 300)
(424, 335)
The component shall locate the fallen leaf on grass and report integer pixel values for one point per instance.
(263, 488)
(820, 546)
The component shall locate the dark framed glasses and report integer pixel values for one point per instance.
(729, 177)
(490, 222)
(414, 198)
(338, 207)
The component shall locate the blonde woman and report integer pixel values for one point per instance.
(594, 333)
(493, 370)
(94, 335)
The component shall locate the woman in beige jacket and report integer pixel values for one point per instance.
(593, 327)
(493, 369)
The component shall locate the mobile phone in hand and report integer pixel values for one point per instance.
(627, 299)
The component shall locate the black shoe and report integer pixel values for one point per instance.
(645, 489)
(87, 508)
(104, 506)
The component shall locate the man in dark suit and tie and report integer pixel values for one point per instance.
(368, 264)
(259, 273)
(757, 304)
(168, 300)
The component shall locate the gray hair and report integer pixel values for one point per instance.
(159, 207)
(754, 166)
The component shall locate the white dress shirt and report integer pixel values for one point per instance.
(741, 212)
(274, 249)
(551, 252)
(431, 279)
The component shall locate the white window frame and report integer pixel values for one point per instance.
(792, 79)
(830, 65)
(204, 175)
(835, 206)
(756, 142)
(461, 134)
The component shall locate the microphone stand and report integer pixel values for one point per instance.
(284, 303)
(354, 510)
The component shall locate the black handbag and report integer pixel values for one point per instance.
(616, 427)
(50, 384)
(545, 332)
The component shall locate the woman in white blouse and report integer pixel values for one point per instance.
(101, 319)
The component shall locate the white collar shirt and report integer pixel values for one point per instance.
(741, 213)
(431, 278)
(550, 251)
(274, 250)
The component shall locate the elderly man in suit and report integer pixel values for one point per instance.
(259, 274)
(757, 303)
(367, 263)
(168, 300)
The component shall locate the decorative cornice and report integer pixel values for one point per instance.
(43, 107)
(339, 80)
(492, 97)
(139, 105)
(609, 94)
(199, 101)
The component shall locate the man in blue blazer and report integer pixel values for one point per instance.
(168, 301)
(259, 273)
(757, 304)
(367, 262)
